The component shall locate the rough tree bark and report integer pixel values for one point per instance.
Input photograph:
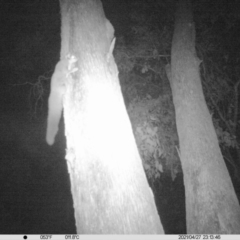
(108, 183)
(211, 203)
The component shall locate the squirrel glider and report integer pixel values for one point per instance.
(55, 101)
(58, 85)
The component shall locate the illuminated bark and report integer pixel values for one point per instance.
(108, 183)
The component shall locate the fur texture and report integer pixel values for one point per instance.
(55, 104)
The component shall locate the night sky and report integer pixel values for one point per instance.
(35, 195)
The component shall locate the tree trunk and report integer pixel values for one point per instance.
(211, 203)
(108, 183)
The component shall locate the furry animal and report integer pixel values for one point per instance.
(55, 104)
